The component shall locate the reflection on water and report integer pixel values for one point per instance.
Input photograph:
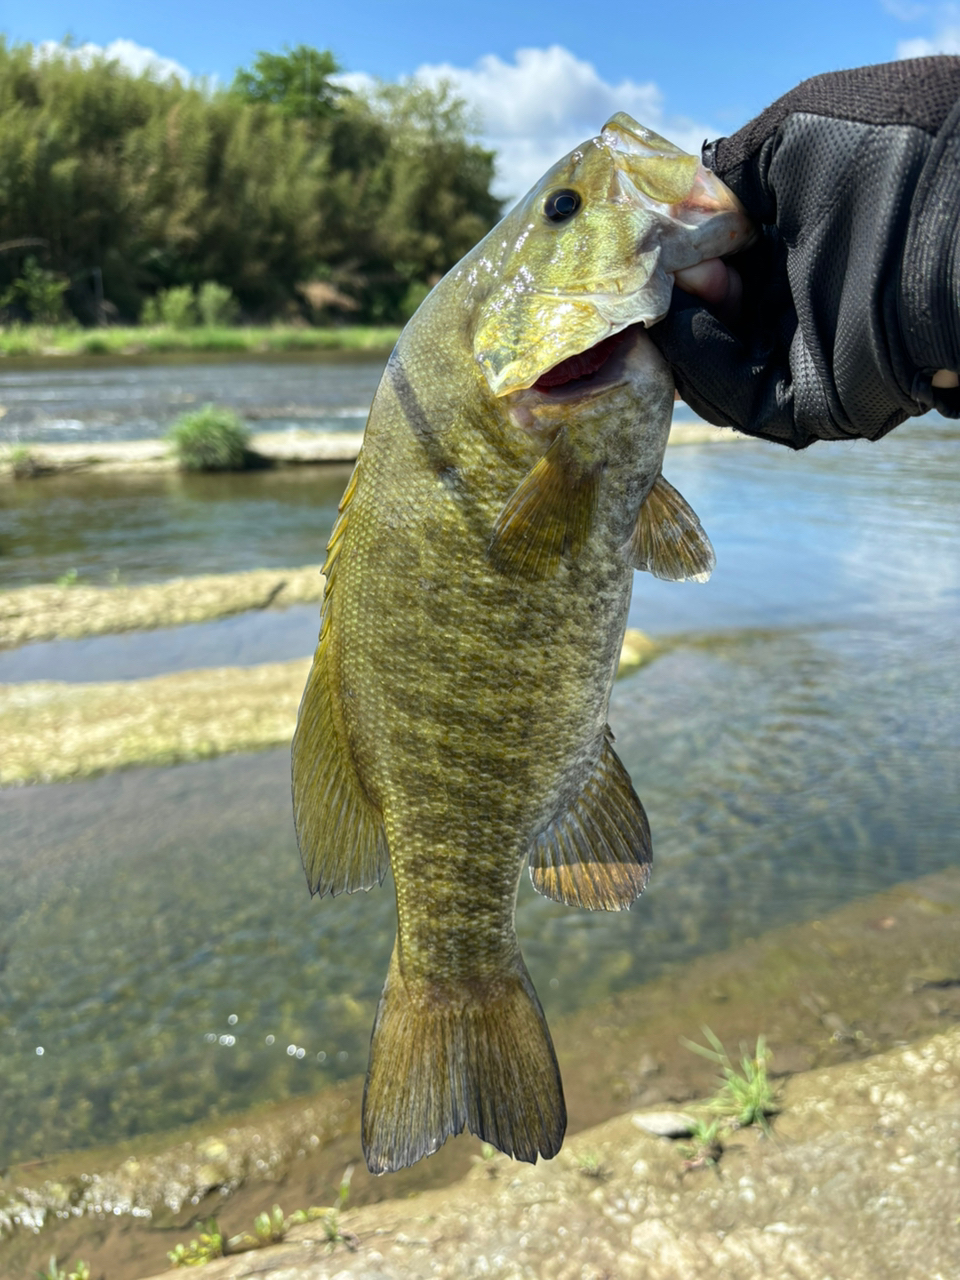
(100, 401)
(152, 527)
(798, 746)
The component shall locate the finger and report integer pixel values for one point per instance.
(717, 285)
(707, 281)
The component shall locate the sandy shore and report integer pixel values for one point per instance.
(296, 447)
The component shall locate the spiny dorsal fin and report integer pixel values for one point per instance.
(343, 845)
(668, 539)
(548, 515)
(596, 855)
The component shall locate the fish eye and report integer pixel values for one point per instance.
(561, 205)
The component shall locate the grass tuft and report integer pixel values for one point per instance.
(745, 1097)
(210, 439)
(268, 1228)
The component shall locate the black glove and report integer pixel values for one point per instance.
(851, 297)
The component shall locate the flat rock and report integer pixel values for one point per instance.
(664, 1124)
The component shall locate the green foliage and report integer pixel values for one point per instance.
(175, 307)
(268, 1228)
(746, 1096)
(208, 1245)
(706, 1144)
(415, 294)
(279, 180)
(23, 340)
(81, 1271)
(23, 465)
(210, 439)
(216, 304)
(298, 82)
(39, 291)
(68, 579)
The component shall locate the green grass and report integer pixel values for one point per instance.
(210, 439)
(268, 1228)
(53, 1272)
(65, 340)
(745, 1097)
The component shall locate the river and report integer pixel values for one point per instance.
(797, 746)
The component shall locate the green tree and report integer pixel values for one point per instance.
(158, 185)
(297, 81)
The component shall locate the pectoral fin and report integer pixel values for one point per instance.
(668, 539)
(596, 855)
(547, 517)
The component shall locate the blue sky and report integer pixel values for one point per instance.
(690, 69)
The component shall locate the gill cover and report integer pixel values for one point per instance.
(646, 210)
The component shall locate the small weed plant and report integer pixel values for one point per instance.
(80, 1271)
(210, 439)
(268, 1228)
(745, 1097)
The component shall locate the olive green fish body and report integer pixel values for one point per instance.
(454, 722)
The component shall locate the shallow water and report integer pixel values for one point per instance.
(124, 401)
(162, 951)
(151, 527)
(798, 746)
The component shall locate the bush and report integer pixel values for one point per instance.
(216, 304)
(175, 307)
(210, 439)
(39, 291)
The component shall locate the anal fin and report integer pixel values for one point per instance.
(548, 516)
(596, 855)
(668, 539)
(342, 841)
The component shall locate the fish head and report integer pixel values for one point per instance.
(592, 249)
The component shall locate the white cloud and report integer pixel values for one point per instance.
(947, 40)
(945, 18)
(538, 107)
(135, 57)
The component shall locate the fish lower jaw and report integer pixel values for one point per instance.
(592, 371)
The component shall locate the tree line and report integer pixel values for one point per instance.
(293, 193)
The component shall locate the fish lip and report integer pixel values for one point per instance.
(597, 379)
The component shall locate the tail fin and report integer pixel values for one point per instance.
(439, 1066)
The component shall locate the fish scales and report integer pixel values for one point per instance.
(478, 582)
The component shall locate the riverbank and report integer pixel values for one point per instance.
(861, 1009)
(294, 447)
(134, 341)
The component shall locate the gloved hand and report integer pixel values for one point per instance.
(851, 297)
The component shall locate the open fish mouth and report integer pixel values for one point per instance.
(595, 367)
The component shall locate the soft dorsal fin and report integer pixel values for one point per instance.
(342, 842)
(668, 539)
(548, 515)
(596, 855)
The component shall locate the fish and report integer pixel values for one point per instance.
(453, 727)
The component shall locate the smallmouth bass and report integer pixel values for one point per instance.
(454, 724)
